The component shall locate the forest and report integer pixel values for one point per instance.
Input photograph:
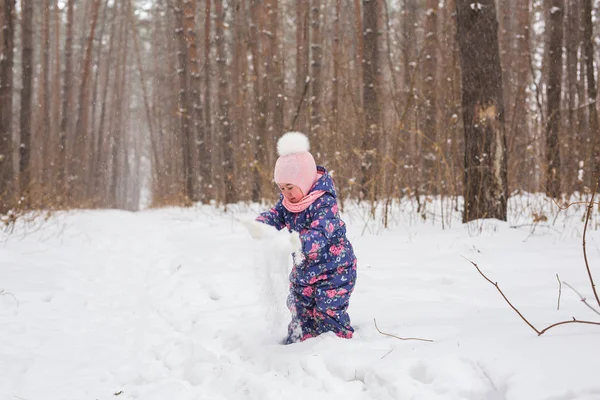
(130, 103)
(448, 250)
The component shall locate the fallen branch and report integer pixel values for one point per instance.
(539, 332)
(573, 321)
(386, 354)
(583, 299)
(398, 337)
(505, 298)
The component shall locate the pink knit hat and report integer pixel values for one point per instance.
(295, 164)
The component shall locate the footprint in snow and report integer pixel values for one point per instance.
(420, 372)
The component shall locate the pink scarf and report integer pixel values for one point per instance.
(304, 203)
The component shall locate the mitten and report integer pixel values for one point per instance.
(258, 230)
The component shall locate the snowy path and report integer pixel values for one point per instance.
(174, 304)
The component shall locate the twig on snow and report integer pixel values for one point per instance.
(539, 332)
(573, 321)
(583, 299)
(505, 298)
(387, 354)
(398, 337)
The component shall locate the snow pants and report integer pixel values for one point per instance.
(318, 309)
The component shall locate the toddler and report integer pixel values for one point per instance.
(324, 273)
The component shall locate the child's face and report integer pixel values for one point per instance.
(292, 193)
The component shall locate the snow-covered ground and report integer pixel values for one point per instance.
(183, 304)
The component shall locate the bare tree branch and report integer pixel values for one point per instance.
(587, 265)
(583, 299)
(539, 332)
(574, 321)
(398, 337)
(505, 298)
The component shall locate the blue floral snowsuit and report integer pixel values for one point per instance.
(322, 283)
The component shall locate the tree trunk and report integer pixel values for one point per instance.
(101, 160)
(371, 73)
(66, 103)
(55, 103)
(506, 32)
(592, 90)
(261, 174)
(94, 142)
(316, 59)
(45, 124)
(80, 160)
(430, 159)
(448, 98)
(196, 112)
(302, 73)
(7, 181)
(239, 69)
(409, 66)
(554, 36)
(185, 112)
(485, 192)
(359, 30)
(118, 167)
(277, 62)
(519, 134)
(572, 41)
(26, 98)
(335, 80)
(205, 148)
(223, 129)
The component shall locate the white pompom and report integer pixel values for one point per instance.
(292, 142)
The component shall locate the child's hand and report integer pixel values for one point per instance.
(258, 230)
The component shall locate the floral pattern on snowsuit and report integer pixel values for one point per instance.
(323, 277)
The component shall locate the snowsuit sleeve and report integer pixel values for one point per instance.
(274, 216)
(324, 228)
